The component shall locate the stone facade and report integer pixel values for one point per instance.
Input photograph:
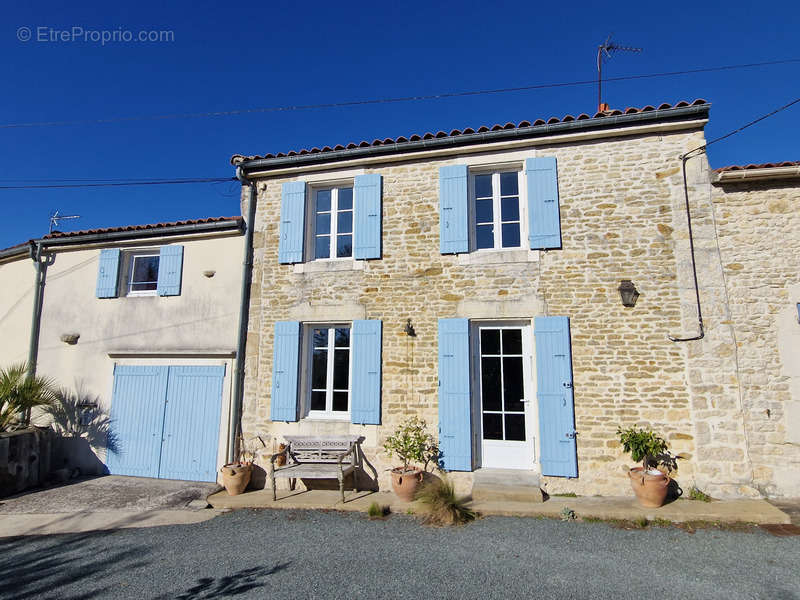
(622, 217)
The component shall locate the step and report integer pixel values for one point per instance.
(506, 485)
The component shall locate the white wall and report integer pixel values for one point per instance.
(16, 306)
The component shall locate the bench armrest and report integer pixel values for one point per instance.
(343, 454)
(285, 451)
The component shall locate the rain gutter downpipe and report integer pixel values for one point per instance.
(39, 269)
(234, 425)
(702, 332)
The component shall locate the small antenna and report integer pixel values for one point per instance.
(604, 51)
(55, 218)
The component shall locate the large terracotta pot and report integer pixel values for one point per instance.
(406, 483)
(236, 476)
(649, 486)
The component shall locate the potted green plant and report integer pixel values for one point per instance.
(411, 443)
(645, 446)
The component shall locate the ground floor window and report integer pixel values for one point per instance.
(329, 371)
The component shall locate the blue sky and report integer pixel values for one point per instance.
(228, 56)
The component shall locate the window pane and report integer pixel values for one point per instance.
(513, 388)
(319, 370)
(484, 236)
(345, 198)
(317, 400)
(512, 341)
(483, 186)
(492, 426)
(490, 384)
(509, 209)
(341, 369)
(340, 401)
(323, 200)
(344, 245)
(483, 211)
(490, 341)
(323, 247)
(145, 269)
(509, 184)
(515, 428)
(344, 222)
(510, 235)
(320, 338)
(342, 337)
(323, 224)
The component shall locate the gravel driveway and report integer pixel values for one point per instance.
(297, 554)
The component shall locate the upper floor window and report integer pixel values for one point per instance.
(333, 222)
(142, 273)
(497, 210)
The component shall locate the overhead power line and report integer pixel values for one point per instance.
(389, 100)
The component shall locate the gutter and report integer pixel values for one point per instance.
(722, 177)
(40, 270)
(458, 141)
(234, 424)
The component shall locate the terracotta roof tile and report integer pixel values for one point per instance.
(238, 158)
(63, 234)
(772, 165)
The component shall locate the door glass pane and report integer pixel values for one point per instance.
(341, 369)
(490, 341)
(323, 247)
(323, 224)
(483, 211)
(509, 209)
(323, 200)
(342, 337)
(317, 400)
(344, 246)
(483, 186)
(344, 222)
(492, 426)
(515, 428)
(340, 401)
(345, 198)
(513, 390)
(319, 369)
(512, 341)
(490, 383)
(484, 236)
(509, 184)
(511, 235)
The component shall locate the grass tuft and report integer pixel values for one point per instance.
(376, 511)
(696, 494)
(567, 514)
(565, 495)
(442, 506)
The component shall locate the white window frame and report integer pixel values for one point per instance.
(311, 202)
(308, 343)
(130, 257)
(522, 190)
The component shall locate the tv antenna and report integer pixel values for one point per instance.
(55, 218)
(604, 52)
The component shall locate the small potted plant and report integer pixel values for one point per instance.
(236, 475)
(410, 443)
(648, 483)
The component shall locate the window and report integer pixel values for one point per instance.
(329, 385)
(332, 222)
(497, 210)
(142, 277)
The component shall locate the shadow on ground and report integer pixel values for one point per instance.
(231, 585)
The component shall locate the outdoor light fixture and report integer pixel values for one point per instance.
(70, 338)
(628, 293)
(409, 329)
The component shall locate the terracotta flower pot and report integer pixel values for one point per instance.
(281, 460)
(649, 486)
(406, 483)
(236, 476)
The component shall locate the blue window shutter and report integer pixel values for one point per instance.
(453, 213)
(285, 363)
(544, 219)
(365, 393)
(170, 271)
(455, 411)
(554, 393)
(367, 215)
(107, 273)
(293, 222)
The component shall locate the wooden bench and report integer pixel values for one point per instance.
(317, 457)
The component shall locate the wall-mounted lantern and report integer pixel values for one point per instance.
(70, 338)
(409, 329)
(628, 293)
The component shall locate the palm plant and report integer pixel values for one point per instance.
(78, 415)
(19, 393)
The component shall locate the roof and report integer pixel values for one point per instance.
(59, 238)
(238, 159)
(772, 165)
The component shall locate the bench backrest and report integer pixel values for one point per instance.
(320, 450)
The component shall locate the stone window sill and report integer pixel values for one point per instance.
(329, 266)
(493, 257)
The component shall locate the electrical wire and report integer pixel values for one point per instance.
(389, 100)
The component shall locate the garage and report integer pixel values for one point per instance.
(167, 419)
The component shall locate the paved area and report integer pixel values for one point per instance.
(314, 554)
(623, 508)
(100, 503)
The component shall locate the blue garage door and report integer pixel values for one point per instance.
(167, 421)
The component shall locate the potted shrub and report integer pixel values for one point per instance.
(236, 475)
(410, 443)
(648, 483)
